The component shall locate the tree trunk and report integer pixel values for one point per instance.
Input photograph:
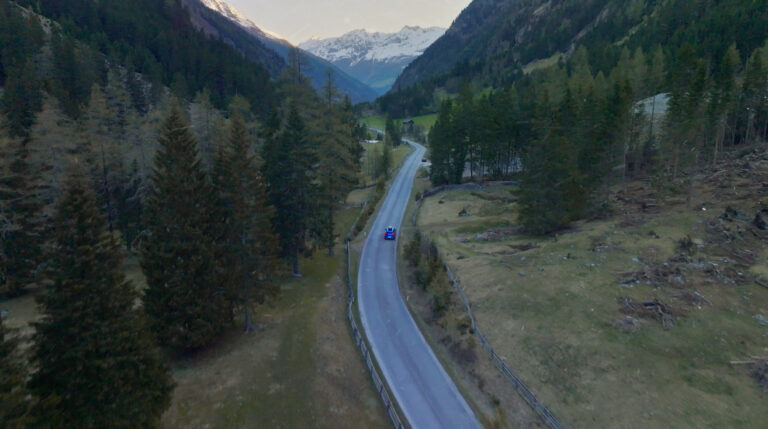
(247, 309)
(105, 183)
(653, 114)
(296, 271)
(718, 141)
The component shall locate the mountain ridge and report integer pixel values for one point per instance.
(375, 58)
(221, 20)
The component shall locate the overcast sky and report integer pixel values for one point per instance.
(299, 20)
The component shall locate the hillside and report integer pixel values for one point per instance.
(492, 43)
(157, 41)
(376, 59)
(219, 19)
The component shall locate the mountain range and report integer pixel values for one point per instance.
(376, 59)
(217, 18)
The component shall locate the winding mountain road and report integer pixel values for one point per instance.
(424, 391)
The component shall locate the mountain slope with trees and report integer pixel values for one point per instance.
(223, 22)
(494, 43)
(598, 114)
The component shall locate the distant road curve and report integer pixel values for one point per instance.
(421, 387)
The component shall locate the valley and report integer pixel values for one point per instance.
(576, 190)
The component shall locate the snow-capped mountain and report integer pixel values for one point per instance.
(227, 11)
(374, 58)
(218, 19)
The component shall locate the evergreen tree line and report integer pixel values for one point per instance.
(573, 132)
(151, 46)
(212, 216)
(210, 242)
(159, 41)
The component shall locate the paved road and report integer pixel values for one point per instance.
(421, 387)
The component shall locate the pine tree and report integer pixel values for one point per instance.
(440, 142)
(13, 397)
(184, 299)
(683, 126)
(22, 99)
(337, 167)
(722, 98)
(551, 192)
(248, 253)
(392, 133)
(96, 362)
(101, 154)
(73, 76)
(753, 111)
(289, 164)
(462, 145)
(20, 218)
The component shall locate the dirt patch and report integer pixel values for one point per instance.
(760, 373)
(497, 234)
(653, 309)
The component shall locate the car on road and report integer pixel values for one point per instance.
(390, 233)
(423, 159)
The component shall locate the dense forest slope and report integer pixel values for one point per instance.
(492, 43)
(159, 41)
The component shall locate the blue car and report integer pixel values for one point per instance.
(389, 233)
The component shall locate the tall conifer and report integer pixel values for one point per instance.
(96, 363)
(185, 298)
(248, 247)
(20, 221)
(289, 164)
(13, 397)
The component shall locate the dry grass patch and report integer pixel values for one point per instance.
(556, 308)
(299, 370)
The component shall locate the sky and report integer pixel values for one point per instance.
(299, 20)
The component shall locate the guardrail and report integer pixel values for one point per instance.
(377, 380)
(499, 363)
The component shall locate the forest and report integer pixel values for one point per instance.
(646, 90)
(151, 140)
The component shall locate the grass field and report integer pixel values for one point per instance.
(552, 309)
(426, 121)
(379, 122)
(300, 370)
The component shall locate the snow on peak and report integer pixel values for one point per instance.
(224, 9)
(360, 45)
